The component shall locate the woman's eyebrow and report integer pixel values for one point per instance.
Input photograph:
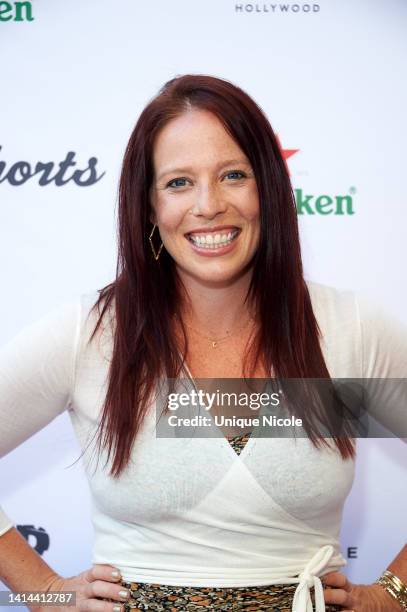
(221, 165)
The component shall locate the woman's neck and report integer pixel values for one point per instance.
(216, 309)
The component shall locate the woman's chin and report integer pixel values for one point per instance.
(214, 278)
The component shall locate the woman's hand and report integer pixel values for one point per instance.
(356, 597)
(94, 583)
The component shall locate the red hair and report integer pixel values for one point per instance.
(145, 292)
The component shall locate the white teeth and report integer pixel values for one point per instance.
(211, 241)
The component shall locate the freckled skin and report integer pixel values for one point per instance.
(206, 193)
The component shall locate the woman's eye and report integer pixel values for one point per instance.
(171, 183)
(181, 182)
(235, 172)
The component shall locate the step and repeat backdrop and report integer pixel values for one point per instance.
(74, 78)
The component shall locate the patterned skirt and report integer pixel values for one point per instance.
(161, 597)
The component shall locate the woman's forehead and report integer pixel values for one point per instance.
(195, 137)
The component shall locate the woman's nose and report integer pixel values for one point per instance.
(208, 202)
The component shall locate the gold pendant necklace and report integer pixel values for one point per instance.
(214, 343)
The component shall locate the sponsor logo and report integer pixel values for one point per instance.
(16, 11)
(287, 153)
(40, 536)
(281, 8)
(352, 552)
(22, 171)
(310, 204)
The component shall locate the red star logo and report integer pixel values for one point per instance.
(286, 153)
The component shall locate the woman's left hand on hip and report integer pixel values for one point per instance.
(338, 590)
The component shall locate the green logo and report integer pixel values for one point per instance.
(308, 204)
(16, 11)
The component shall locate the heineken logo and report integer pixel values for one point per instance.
(308, 204)
(16, 11)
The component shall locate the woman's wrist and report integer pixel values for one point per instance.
(395, 588)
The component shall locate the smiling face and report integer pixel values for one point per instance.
(204, 199)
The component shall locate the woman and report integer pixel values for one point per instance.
(209, 285)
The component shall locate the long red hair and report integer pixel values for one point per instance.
(145, 292)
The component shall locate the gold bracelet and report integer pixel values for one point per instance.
(395, 587)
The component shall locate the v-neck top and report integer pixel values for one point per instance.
(191, 511)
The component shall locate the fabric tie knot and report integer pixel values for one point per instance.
(308, 578)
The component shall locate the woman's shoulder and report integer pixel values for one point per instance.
(332, 304)
(70, 324)
(359, 326)
(70, 316)
(96, 324)
(347, 304)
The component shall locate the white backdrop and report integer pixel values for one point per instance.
(74, 79)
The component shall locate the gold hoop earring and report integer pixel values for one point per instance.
(156, 254)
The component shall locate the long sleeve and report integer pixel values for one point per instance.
(384, 366)
(383, 342)
(37, 372)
